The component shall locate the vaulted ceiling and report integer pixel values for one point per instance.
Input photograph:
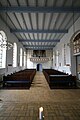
(39, 24)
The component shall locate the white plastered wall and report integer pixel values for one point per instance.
(70, 60)
(9, 53)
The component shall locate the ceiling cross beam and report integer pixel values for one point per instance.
(28, 9)
(38, 31)
(37, 46)
(54, 40)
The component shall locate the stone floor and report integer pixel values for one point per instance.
(58, 104)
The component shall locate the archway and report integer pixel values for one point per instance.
(39, 67)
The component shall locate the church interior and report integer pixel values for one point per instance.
(40, 60)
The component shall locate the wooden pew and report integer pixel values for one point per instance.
(57, 79)
(19, 79)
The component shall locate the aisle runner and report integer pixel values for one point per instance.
(39, 81)
(39, 90)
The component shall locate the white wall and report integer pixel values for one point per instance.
(69, 56)
(29, 63)
(9, 53)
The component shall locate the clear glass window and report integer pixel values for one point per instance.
(20, 56)
(3, 39)
(15, 55)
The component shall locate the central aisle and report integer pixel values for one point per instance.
(39, 89)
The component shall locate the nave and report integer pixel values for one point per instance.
(58, 104)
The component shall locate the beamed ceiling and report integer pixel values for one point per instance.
(39, 24)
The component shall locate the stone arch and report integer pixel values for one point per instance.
(74, 35)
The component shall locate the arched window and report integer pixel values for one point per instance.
(20, 56)
(76, 44)
(57, 58)
(15, 55)
(24, 58)
(3, 39)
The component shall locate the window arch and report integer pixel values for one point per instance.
(3, 39)
(76, 44)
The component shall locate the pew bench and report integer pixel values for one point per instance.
(17, 83)
(57, 79)
(61, 81)
(19, 79)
